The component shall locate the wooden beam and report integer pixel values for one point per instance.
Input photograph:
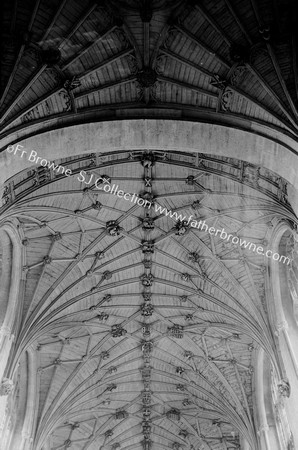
(238, 21)
(295, 60)
(87, 48)
(281, 79)
(146, 39)
(37, 74)
(233, 88)
(161, 39)
(54, 18)
(77, 25)
(203, 46)
(39, 71)
(272, 94)
(105, 86)
(23, 46)
(213, 23)
(23, 91)
(192, 87)
(275, 62)
(106, 62)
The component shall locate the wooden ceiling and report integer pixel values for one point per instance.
(231, 62)
(145, 336)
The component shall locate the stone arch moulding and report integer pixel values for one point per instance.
(155, 134)
(285, 330)
(9, 305)
(9, 293)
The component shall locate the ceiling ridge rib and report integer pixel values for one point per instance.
(274, 60)
(184, 61)
(229, 42)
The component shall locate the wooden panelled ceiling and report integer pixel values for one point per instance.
(225, 61)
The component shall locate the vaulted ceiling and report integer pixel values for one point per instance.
(145, 330)
(231, 62)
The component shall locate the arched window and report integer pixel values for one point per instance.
(10, 276)
(282, 295)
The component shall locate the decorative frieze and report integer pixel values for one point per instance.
(183, 434)
(181, 228)
(176, 331)
(218, 82)
(148, 197)
(111, 387)
(176, 446)
(97, 206)
(41, 175)
(146, 397)
(185, 276)
(147, 296)
(148, 160)
(173, 414)
(148, 181)
(47, 260)
(146, 432)
(196, 204)
(107, 275)
(121, 414)
(102, 317)
(118, 331)
(148, 223)
(238, 74)
(105, 355)
(147, 444)
(7, 195)
(147, 263)
(6, 386)
(282, 192)
(113, 228)
(188, 355)
(284, 388)
(180, 388)
(146, 374)
(194, 257)
(250, 173)
(147, 309)
(56, 237)
(146, 330)
(190, 180)
(147, 348)
(226, 99)
(147, 279)
(189, 317)
(148, 247)
(72, 83)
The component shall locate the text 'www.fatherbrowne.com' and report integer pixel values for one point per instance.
(201, 225)
(103, 183)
